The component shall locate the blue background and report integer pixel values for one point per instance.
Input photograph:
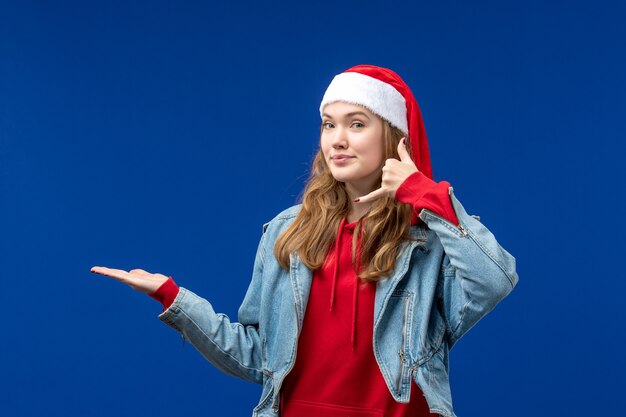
(162, 135)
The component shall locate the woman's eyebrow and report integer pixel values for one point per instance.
(356, 113)
(348, 115)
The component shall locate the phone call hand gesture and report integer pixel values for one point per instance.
(394, 174)
(137, 279)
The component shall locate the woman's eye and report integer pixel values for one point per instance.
(327, 125)
(358, 125)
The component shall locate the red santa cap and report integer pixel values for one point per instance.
(383, 92)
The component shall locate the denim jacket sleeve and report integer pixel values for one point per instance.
(476, 273)
(234, 348)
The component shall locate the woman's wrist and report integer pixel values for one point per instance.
(423, 193)
(166, 293)
(414, 187)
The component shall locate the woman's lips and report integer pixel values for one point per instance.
(341, 159)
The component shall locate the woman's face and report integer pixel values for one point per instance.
(352, 144)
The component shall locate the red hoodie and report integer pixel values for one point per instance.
(336, 373)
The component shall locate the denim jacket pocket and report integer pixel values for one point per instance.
(404, 301)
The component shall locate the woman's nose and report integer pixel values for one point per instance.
(340, 140)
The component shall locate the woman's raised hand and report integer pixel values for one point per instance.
(394, 174)
(137, 279)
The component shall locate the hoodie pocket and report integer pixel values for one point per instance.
(299, 408)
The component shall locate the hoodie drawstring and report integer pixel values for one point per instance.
(355, 298)
(355, 294)
(336, 271)
(355, 303)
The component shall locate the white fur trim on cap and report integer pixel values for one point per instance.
(378, 96)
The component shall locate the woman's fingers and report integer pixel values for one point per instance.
(374, 195)
(118, 274)
(137, 279)
(403, 153)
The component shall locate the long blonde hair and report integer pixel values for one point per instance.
(325, 203)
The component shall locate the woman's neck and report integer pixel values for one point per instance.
(357, 210)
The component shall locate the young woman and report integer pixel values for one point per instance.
(359, 293)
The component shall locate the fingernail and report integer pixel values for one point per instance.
(356, 200)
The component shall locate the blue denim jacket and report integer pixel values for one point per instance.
(444, 282)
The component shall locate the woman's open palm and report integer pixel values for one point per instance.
(137, 279)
